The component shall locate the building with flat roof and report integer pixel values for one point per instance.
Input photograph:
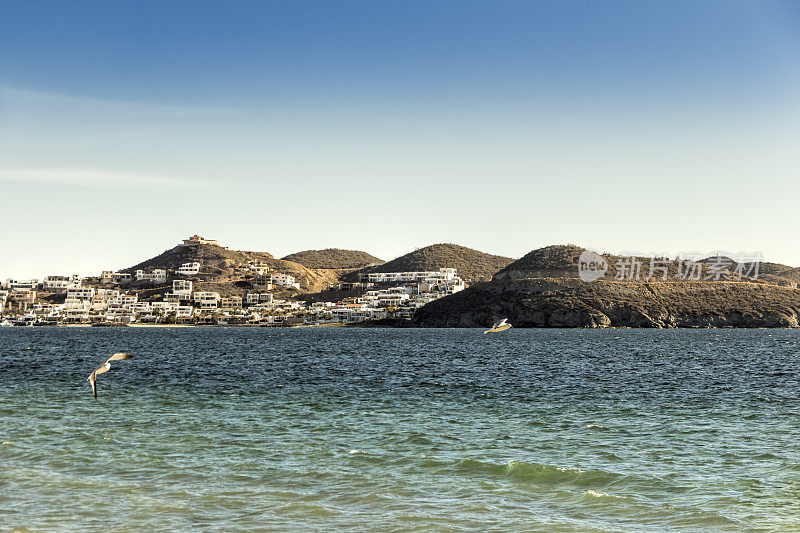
(197, 239)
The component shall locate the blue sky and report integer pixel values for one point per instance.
(385, 126)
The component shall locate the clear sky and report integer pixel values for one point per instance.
(384, 126)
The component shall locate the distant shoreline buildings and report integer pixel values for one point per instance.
(115, 297)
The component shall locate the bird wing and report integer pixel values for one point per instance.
(119, 355)
(93, 381)
(105, 367)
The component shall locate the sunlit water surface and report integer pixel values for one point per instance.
(255, 429)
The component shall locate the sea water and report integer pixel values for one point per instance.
(236, 429)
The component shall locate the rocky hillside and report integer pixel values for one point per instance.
(551, 302)
(220, 265)
(334, 258)
(558, 261)
(777, 273)
(561, 261)
(542, 289)
(214, 260)
(472, 265)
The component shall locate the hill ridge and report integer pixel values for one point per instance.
(472, 265)
(333, 258)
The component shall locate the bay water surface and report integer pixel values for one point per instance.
(243, 429)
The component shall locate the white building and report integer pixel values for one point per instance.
(61, 283)
(393, 299)
(119, 314)
(138, 307)
(77, 303)
(262, 281)
(184, 311)
(442, 274)
(123, 300)
(86, 293)
(158, 275)
(109, 276)
(175, 299)
(98, 304)
(445, 287)
(105, 294)
(22, 284)
(181, 291)
(232, 302)
(357, 314)
(284, 280)
(206, 299)
(258, 267)
(181, 285)
(197, 239)
(208, 296)
(188, 269)
(76, 315)
(164, 307)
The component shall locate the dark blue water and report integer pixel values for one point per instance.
(551, 430)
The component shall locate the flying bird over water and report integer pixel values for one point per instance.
(105, 367)
(500, 325)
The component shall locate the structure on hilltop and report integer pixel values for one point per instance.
(197, 239)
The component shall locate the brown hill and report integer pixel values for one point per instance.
(472, 265)
(541, 289)
(214, 260)
(334, 258)
(220, 265)
(557, 261)
(560, 302)
(561, 261)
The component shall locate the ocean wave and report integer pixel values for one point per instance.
(598, 494)
(541, 473)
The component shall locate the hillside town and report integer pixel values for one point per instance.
(124, 298)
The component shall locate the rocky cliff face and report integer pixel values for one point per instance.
(551, 302)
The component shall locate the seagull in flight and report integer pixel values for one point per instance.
(500, 325)
(105, 367)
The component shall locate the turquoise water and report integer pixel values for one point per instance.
(256, 429)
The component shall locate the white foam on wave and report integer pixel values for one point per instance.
(598, 494)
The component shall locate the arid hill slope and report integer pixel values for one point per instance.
(220, 265)
(334, 259)
(472, 265)
(553, 302)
